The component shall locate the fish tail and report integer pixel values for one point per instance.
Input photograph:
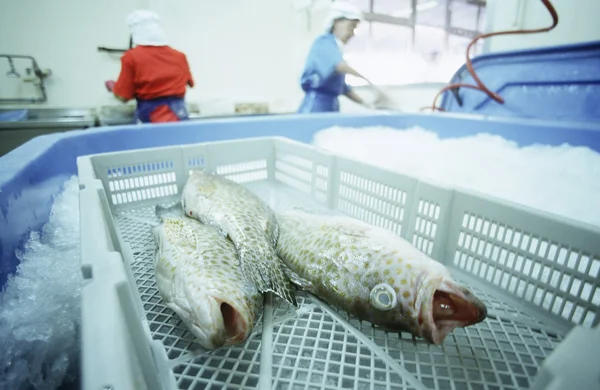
(254, 275)
(281, 284)
(267, 274)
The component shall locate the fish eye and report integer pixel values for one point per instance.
(383, 297)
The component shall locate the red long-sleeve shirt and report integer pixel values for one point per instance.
(149, 72)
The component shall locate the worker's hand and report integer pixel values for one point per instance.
(381, 98)
(110, 84)
(370, 105)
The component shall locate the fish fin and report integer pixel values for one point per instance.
(351, 227)
(344, 225)
(157, 250)
(351, 232)
(303, 210)
(272, 226)
(282, 286)
(200, 171)
(297, 279)
(312, 211)
(156, 235)
(174, 210)
(269, 276)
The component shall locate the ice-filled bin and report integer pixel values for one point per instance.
(32, 173)
(130, 340)
(529, 267)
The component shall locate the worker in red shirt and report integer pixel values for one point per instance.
(153, 73)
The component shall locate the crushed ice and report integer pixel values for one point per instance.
(561, 180)
(40, 307)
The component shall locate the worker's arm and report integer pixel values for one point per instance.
(110, 85)
(326, 58)
(356, 98)
(190, 81)
(321, 64)
(343, 67)
(124, 100)
(124, 87)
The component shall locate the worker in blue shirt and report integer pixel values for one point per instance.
(324, 75)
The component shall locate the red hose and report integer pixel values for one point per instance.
(480, 86)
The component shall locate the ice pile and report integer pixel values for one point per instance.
(40, 307)
(561, 180)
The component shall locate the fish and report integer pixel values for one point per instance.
(247, 221)
(199, 278)
(374, 274)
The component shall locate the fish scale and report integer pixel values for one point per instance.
(248, 222)
(175, 240)
(347, 262)
(196, 269)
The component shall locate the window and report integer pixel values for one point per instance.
(412, 41)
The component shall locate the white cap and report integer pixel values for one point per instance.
(145, 28)
(341, 9)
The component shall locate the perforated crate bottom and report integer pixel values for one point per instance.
(317, 347)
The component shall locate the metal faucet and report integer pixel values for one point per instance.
(41, 75)
(12, 72)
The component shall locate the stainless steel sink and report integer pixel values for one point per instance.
(42, 121)
(38, 118)
(124, 114)
(116, 115)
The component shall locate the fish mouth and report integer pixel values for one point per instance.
(217, 324)
(451, 307)
(235, 326)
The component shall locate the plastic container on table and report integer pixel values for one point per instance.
(538, 275)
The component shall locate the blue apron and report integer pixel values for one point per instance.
(321, 83)
(146, 107)
(315, 101)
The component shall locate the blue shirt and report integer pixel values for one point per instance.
(319, 73)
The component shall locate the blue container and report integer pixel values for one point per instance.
(47, 160)
(553, 83)
(13, 116)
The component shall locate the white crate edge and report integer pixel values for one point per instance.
(104, 276)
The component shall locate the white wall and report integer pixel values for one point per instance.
(577, 22)
(63, 35)
(238, 50)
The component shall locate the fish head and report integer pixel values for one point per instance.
(420, 297)
(198, 192)
(222, 316)
(443, 305)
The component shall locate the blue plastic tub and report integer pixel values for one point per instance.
(48, 160)
(552, 83)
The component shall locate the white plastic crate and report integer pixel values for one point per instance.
(537, 274)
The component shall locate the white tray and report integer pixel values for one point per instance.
(537, 274)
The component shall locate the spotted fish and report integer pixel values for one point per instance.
(199, 278)
(248, 221)
(375, 275)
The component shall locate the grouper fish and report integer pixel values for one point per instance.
(247, 221)
(375, 275)
(199, 278)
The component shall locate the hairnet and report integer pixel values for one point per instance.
(145, 28)
(341, 9)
